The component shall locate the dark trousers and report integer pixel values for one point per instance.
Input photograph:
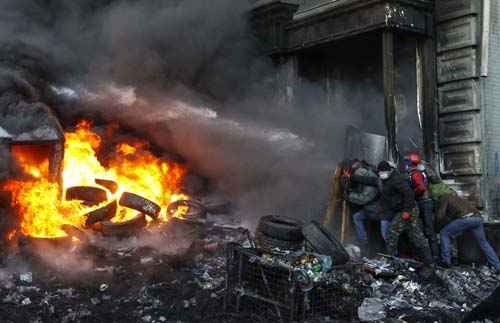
(425, 208)
(415, 234)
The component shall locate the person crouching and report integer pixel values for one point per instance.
(398, 199)
(363, 198)
(455, 216)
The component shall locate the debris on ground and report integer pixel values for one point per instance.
(134, 283)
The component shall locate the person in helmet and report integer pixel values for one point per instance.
(419, 182)
(398, 201)
(363, 199)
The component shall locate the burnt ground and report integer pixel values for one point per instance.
(123, 284)
(129, 280)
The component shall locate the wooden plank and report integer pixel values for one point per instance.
(334, 200)
(345, 221)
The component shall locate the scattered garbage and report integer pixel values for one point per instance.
(151, 286)
(146, 260)
(371, 310)
(26, 301)
(26, 277)
(103, 287)
(353, 251)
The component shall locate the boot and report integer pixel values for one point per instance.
(435, 250)
(427, 257)
(365, 250)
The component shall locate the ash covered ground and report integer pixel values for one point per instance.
(106, 283)
(178, 275)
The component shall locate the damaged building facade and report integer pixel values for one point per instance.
(429, 68)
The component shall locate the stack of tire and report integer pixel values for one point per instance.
(277, 232)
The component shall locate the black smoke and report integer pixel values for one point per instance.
(188, 75)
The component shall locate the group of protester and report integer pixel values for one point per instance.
(415, 201)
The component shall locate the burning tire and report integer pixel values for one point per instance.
(324, 243)
(104, 213)
(281, 228)
(125, 228)
(112, 186)
(267, 243)
(87, 194)
(141, 204)
(195, 210)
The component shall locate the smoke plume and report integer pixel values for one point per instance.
(187, 74)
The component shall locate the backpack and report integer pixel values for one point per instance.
(438, 189)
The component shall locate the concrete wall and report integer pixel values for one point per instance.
(458, 26)
(490, 94)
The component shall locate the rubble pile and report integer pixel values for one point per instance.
(401, 292)
(137, 283)
(130, 283)
(385, 289)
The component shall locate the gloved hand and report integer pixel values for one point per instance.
(406, 216)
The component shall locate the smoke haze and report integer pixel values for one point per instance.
(186, 73)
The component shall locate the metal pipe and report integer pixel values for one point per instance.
(485, 37)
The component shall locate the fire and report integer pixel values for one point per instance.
(44, 211)
(31, 160)
(11, 234)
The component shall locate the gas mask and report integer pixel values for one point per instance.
(384, 175)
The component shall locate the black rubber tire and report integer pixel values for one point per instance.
(196, 209)
(324, 243)
(141, 204)
(89, 194)
(267, 244)
(281, 228)
(126, 228)
(104, 213)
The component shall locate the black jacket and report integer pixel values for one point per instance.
(396, 195)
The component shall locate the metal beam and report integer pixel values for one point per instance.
(430, 124)
(389, 103)
(485, 38)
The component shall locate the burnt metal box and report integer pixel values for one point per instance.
(272, 291)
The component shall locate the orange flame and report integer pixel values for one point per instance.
(132, 166)
(11, 234)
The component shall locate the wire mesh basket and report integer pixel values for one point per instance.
(275, 292)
